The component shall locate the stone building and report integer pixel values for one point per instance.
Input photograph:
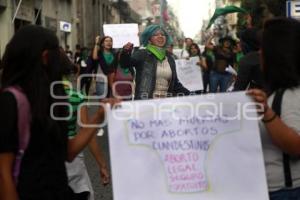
(57, 15)
(73, 21)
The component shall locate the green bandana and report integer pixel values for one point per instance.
(211, 55)
(125, 71)
(159, 53)
(108, 57)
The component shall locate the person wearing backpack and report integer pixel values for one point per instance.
(280, 127)
(32, 62)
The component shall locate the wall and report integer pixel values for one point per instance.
(86, 17)
(6, 28)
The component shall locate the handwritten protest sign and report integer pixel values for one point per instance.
(189, 73)
(122, 34)
(181, 53)
(191, 148)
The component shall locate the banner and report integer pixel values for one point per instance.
(122, 34)
(190, 74)
(191, 148)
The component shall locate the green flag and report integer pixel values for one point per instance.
(224, 11)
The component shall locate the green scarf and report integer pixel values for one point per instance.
(125, 71)
(108, 57)
(159, 53)
(211, 54)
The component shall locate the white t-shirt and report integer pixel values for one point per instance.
(290, 115)
(181, 53)
(100, 75)
(163, 78)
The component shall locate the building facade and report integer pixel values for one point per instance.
(92, 14)
(73, 21)
(57, 15)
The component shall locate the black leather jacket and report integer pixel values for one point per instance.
(250, 73)
(145, 65)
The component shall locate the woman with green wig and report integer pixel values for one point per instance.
(155, 70)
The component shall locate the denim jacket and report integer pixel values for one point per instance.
(145, 65)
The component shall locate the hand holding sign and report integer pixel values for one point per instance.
(97, 40)
(189, 73)
(122, 33)
(192, 155)
(128, 47)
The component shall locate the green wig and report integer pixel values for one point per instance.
(150, 31)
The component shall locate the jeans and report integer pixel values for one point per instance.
(206, 77)
(221, 80)
(101, 89)
(85, 83)
(292, 194)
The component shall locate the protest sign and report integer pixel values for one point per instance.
(178, 53)
(181, 53)
(189, 73)
(191, 148)
(122, 34)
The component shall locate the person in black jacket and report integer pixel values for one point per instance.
(249, 73)
(155, 68)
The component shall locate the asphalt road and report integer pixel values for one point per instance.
(101, 192)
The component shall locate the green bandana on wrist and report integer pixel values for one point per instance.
(159, 53)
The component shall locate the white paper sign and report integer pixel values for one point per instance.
(180, 53)
(189, 73)
(191, 148)
(122, 34)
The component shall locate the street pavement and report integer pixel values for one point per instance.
(101, 192)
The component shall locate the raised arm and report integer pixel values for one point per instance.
(96, 48)
(209, 44)
(125, 56)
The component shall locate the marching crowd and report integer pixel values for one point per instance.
(40, 155)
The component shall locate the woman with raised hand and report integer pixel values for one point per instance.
(155, 69)
(107, 64)
(220, 78)
(280, 127)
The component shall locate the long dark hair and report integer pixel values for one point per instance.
(102, 41)
(197, 47)
(280, 53)
(23, 66)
